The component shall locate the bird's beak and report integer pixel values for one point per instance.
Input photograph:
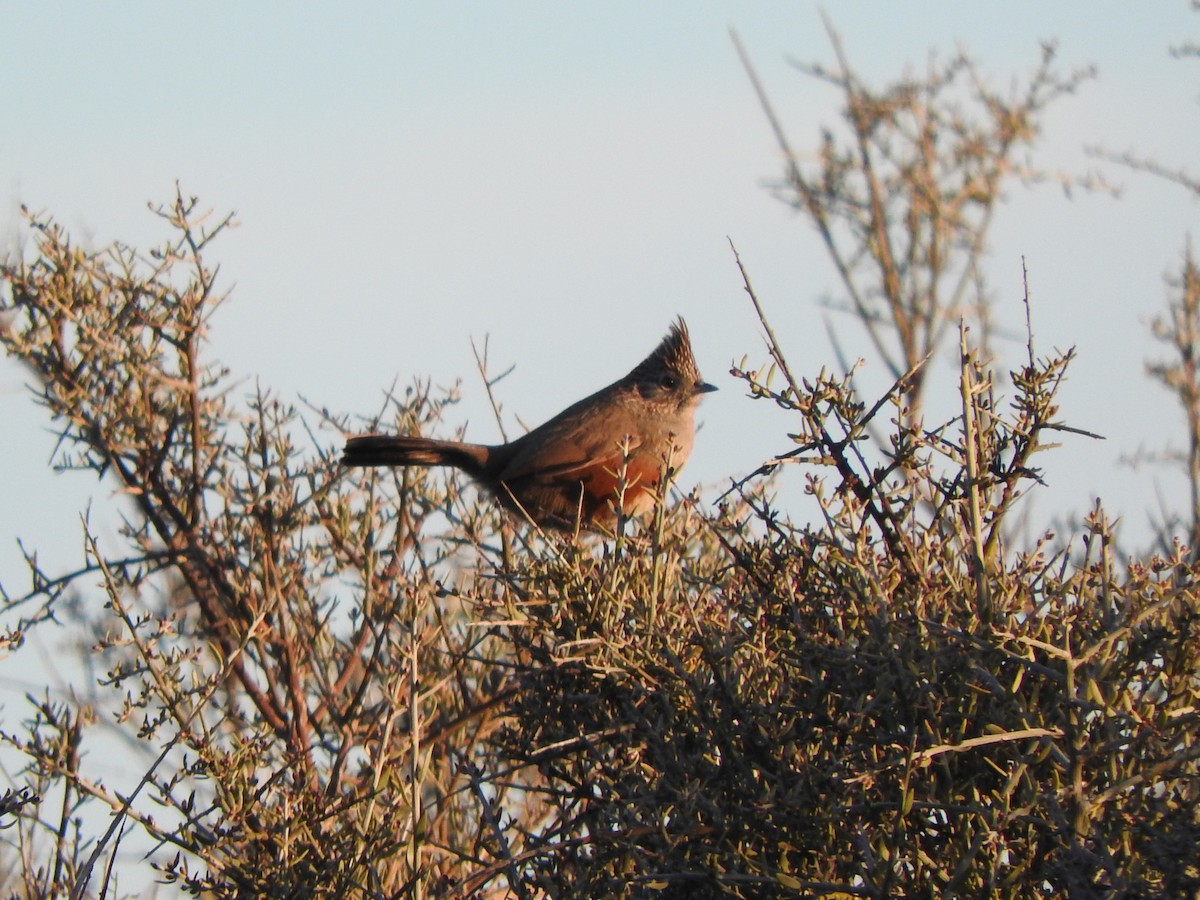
(703, 387)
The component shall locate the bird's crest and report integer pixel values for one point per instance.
(674, 354)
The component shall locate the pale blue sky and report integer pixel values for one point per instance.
(563, 178)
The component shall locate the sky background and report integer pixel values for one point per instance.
(564, 179)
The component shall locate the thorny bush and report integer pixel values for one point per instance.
(373, 685)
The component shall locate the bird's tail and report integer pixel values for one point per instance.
(396, 450)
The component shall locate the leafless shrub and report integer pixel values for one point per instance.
(305, 689)
(904, 200)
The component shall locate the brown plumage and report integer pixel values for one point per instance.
(568, 470)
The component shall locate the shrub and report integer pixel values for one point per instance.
(375, 686)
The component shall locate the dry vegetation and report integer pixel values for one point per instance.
(374, 686)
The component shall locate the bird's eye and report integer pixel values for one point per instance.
(669, 381)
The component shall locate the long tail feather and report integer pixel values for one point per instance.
(394, 450)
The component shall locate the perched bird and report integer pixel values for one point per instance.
(567, 472)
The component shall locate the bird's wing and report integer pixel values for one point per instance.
(566, 458)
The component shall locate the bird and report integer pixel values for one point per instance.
(567, 473)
